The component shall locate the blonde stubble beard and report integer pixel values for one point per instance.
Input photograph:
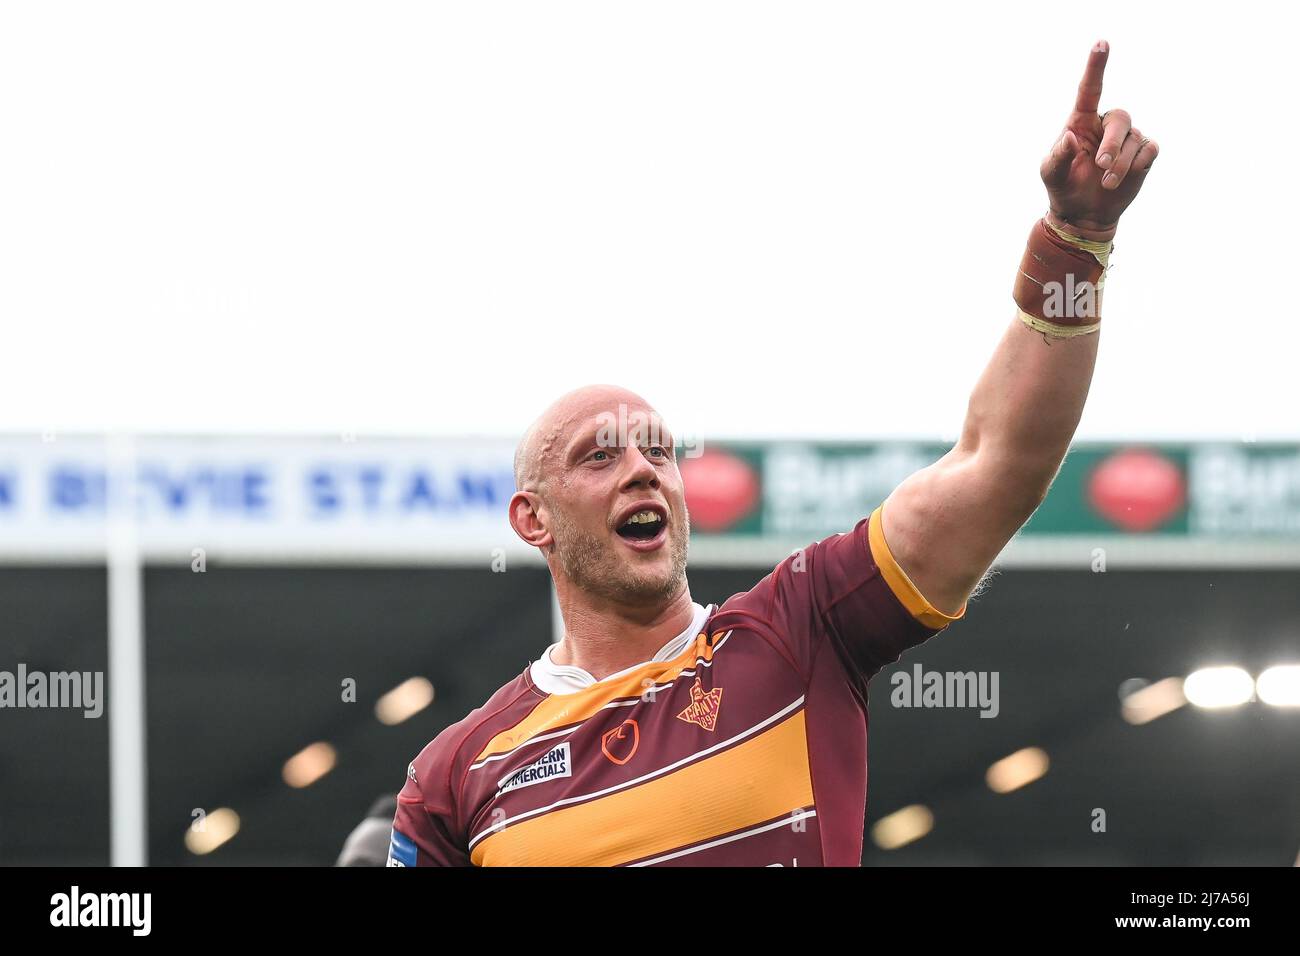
(590, 563)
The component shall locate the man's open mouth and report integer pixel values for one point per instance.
(642, 526)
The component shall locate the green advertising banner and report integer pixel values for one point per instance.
(802, 490)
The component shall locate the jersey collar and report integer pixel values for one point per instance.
(553, 678)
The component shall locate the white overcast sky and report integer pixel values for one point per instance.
(432, 218)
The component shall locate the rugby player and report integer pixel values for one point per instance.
(660, 731)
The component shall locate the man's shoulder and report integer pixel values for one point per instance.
(437, 769)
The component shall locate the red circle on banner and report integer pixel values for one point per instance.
(1138, 490)
(721, 489)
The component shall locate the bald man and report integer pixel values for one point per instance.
(663, 732)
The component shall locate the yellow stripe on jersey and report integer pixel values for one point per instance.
(757, 781)
(900, 583)
(563, 710)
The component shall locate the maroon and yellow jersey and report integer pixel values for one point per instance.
(742, 743)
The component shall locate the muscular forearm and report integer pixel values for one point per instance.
(1026, 406)
(950, 520)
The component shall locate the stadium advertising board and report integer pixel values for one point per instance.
(344, 497)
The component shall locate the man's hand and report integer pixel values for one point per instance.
(1099, 163)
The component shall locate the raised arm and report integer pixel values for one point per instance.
(947, 523)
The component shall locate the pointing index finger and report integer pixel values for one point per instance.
(1090, 86)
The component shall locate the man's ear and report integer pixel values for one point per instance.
(526, 519)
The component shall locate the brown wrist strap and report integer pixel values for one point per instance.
(1059, 284)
